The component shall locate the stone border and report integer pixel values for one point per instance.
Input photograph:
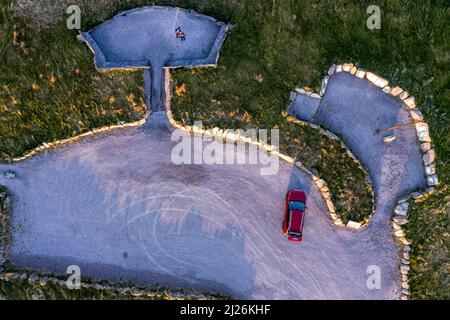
(423, 134)
(327, 196)
(5, 219)
(42, 279)
(428, 157)
(399, 219)
(60, 143)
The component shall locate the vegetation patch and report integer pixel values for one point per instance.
(429, 231)
(50, 90)
(49, 288)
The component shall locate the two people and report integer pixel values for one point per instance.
(180, 34)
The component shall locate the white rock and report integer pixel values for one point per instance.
(404, 199)
(396, 227)
(354, 225)
(372, 77)
(405, 285)
(389, 139)
(432, 180)
(429, 157)
(320, 183)
(423, 132)
(404, 268)
(284, 157)
(381, 83)
(404, 241)
(416, 195)
(402, 209)
(396, 91)
(361, 73)
(330, 206)
(324, 85)
(10, 174)
(430, 170)
(400, 221)
(399, 233)
(347, 67)
(332, 70)
(403, 95)
(416, 115)
(300, 91)
(232, 136)
(410, 102)
(315, 95)
(425, 147)
(387, 89)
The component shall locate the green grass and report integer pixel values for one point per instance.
(412, 50)
(284, 43)
(35, 110)
(25, 290)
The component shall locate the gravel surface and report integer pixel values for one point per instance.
(116, 206)
(354, 109)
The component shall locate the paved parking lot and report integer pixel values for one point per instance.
(116, 206)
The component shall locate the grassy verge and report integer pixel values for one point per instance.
(276, 46)
(18, 289)
(49, 88)
(429, 230)
(25, 290)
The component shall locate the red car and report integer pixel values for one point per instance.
(294, 215)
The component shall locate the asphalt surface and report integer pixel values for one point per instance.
(120, 209)
(355, 109)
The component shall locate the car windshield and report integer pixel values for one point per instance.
(294, 234)
(297, 205)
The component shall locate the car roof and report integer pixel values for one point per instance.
(297, 195)
(295, 223)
